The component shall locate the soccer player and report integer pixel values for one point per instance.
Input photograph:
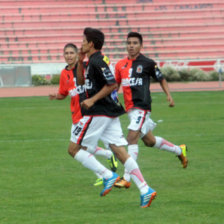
(101, 111)
(68, 86)
(134, 73)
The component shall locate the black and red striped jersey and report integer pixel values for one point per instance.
(99, 72)
(134, 76)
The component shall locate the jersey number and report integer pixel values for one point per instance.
(138, 119)
(77, 130)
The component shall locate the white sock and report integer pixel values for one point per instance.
(90, 162)
(102, 152)
(98, 176)
(133, 152)
(136, 175)
(163, 144)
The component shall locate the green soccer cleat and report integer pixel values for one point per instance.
(113, 163)
(98, 182)
(183, 156)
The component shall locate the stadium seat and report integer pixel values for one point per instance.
(36, 31)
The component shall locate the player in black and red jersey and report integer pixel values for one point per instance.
(68, 86)
(101, 116)
(134, 73)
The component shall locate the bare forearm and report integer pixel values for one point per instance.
(80, 76)
(166, 90)
(165, 87)
(56, 96)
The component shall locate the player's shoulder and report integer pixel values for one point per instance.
(99, 59)
(146, 59)
(122, 62)
(64, 71)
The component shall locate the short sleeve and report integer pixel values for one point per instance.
(157, 74)
(106, 70)
(62, 87)
(117, 73)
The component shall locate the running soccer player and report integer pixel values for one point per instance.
(134, 73)
(101, 111)
(68, 86)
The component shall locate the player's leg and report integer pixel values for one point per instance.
(111, 160)
(117, 142)
(133, 151)
(89, 131)
(147, 194)
(158, 142)
(108, 154)
(74, 148)
(137, 118)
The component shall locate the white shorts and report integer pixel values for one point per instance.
(140, 121)
(90, 129)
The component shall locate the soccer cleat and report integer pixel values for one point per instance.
(123, 183)
(98, 182)
(113, 163)
(146, 199)
(109, 183)
(183, 156)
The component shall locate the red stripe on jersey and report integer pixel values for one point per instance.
(143, 119)
(122, 75)
(84, 130)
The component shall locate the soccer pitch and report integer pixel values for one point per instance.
(40, 183)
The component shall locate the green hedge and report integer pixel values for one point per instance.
(171, 75)
(194, 74)
(38, 80)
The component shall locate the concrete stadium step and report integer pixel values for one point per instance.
(114, 22)
(118, 30)
(34, 33)
(105, 15)
(116, 49)
(61, 6)
(58, 43)
(113, 30)
(114, 57)
(113, 41)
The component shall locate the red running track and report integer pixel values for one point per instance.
(155, 87)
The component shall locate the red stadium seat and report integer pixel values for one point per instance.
(36, 31)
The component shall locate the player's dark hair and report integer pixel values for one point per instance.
(135, 34)
(94, 35)
(72, 46)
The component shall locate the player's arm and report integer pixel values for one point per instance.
(117, 76)
(105, 72)
(62, 91)
(80, 68)
(56, 96)
(106, 90)
(164, 85)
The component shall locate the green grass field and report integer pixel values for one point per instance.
(40, 183)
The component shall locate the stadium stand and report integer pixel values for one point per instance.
(173, 30)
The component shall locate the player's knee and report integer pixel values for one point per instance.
(120, 152)
(149, 143)
(132, 140)
(72, 150)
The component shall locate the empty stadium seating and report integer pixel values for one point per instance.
(36, 31)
